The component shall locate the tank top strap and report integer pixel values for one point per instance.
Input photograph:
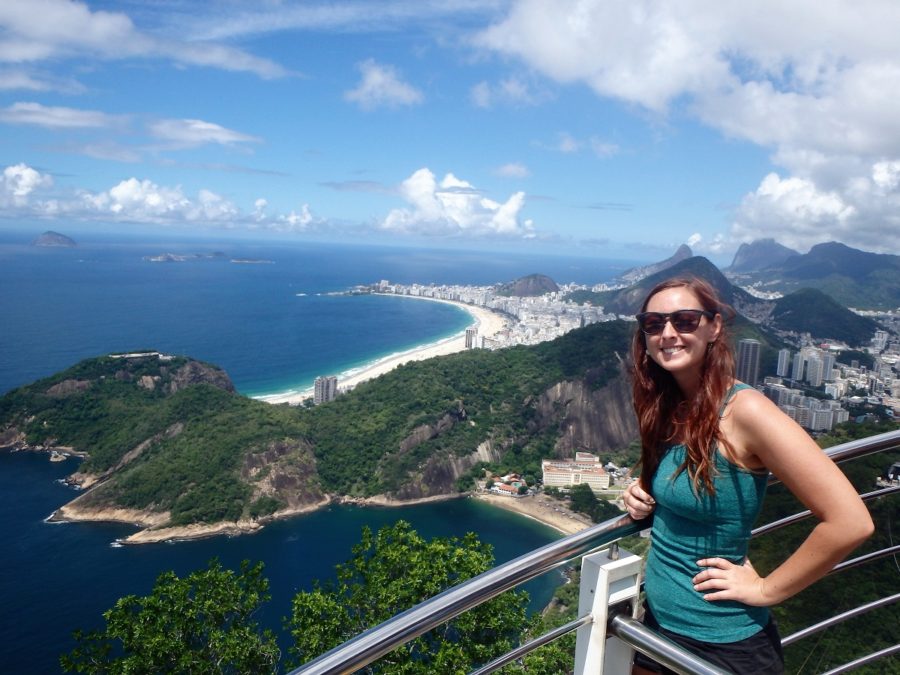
(735, 388)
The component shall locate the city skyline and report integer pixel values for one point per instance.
(608, 128)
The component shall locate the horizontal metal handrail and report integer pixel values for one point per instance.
(866, 558)
(531, 645)
(802, 515)
(858, 448)
(863, 660)
(864, 446)
(384, 638)
(378, 641)
(660, 649)
(839, 618)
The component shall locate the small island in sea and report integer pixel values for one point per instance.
(51, 239)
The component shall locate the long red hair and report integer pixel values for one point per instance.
(664, 416)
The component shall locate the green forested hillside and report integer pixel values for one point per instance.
(811, 311)
(169, 435)
(473, 396)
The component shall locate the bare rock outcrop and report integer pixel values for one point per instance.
(68, 387)
(285, 470)
(595, 421)
(194, 372)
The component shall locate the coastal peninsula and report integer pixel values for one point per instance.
(170, 447)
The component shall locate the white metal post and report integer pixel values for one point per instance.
(607, 577)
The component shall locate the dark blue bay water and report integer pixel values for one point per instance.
(273, 327)
(55, 578)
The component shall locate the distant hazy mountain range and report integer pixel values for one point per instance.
(804, 310)
(851, 277)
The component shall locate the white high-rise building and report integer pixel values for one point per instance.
(324, 389)
(797, 366)
(784, 362)
(815, 371)
(748, 361)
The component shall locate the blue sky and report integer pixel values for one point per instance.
(609, 128)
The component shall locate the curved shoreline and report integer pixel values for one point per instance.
(488, 323)
(152, 530)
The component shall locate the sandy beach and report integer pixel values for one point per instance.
(489, 323)
(542, 508)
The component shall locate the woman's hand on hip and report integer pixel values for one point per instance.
(725, 580)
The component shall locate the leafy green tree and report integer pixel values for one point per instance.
(392, 571)
(200, 624)
(585, 501)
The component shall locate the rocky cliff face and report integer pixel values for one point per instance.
(589, 420)
(285, 470)
(592, 421)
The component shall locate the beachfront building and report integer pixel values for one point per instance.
(566, 473)
(324, 389)
(472, 341)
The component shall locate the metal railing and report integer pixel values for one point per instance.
(367, 647)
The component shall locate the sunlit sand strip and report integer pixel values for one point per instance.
(488, 322)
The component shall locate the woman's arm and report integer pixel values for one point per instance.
(757, 429)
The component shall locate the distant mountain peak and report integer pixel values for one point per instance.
(760, 254)
(528, 286)
(635, 274)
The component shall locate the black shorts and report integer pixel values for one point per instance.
(759, 654)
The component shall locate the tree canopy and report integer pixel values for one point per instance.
(201, 624)
(392, 571)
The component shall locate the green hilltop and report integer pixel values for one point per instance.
(168, 435)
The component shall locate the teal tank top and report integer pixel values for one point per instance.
(688, 528)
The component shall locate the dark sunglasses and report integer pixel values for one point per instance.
(683, 320)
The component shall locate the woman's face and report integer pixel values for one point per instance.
(681, 354)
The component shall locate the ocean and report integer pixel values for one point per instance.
(273, 324)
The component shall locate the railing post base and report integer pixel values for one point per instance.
(607, 578)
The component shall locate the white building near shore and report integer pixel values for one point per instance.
(585, 468)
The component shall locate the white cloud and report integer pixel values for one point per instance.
(191, 133)
(12, 79)
(814, 83)
(454, 207)
(57, 117)
(796, 213)
(381, 86)
(603, 148)
(513, 170)
(567, 143)
(40, 30)
(18, 182)
(694, 239)
(295, 222)
(512, 90)
(480, 95)
(133, 200)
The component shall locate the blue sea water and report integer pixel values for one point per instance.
(274, 327)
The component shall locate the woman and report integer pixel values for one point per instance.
(708, 443)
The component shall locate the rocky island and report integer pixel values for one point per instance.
(51, 239)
